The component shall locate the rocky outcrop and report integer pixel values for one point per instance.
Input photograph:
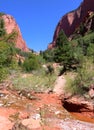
(10, 26)
(72, 20)
(79, 105)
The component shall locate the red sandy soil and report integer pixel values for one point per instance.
(44, 102)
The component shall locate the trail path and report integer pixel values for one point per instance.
(59, 85)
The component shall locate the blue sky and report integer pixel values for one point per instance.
(37, 19)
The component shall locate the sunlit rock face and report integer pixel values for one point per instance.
(10, 26)
(72, 20)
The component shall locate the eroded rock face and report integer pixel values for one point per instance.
(10, 26)
(72, 20)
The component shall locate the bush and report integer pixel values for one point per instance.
(31, 63)
(83, 79)
(1, 14)
(3, 73)
(90, 51)
(38, 81)
(2, 28)
(50, 70)
(6, 54)
(48, 55)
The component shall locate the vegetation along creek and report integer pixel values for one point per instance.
(51, 89)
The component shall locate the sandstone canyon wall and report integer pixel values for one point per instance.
(72, 20)
(11, 25)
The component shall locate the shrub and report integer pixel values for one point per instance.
(31, 63)
(83, 79)
(2, 28)
(3, 73)
(50, 69)
(6, 54)
(1, 13)
(90, 51)
(48, 55)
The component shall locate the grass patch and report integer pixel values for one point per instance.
(81, 81)
(38, 81)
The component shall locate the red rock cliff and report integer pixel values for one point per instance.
(10, 25)
(72, 20)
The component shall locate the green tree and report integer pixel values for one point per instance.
(48, 55)
(6, 54)
(63, 51)
(61, 44)
(69, 54)
(82, 29)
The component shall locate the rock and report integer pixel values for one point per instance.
(76, 125)
(36, 116)
(72, 20)
(27, 94)
(2, 95)
(10, 26)
(23, 115)
(19, 126)
(31, 123)
(57, 112)
(91, 93)
(5, 124)
(78, 104)
(1, 104)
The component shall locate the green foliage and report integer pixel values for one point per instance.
(64, 52)
(7, 50)
(2, 29)
(6, 59)
(1, 14)
(31, 63)
(50, 69)
(70, 54)
(90, 51)
(83, 78)
(48, 55)
(83, 52)
(41, 60)
(82, 29)
(3, 73)
(11, 38)
(85, 42)
(22, 53)
(4, 53)
(62, 45)
(38, 81)
(20, 62)
(61, 39)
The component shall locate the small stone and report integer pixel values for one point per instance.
(1, 104)
(36, 117)
(31, 123)
(57, 112)
(2, 94)
(91, 93)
